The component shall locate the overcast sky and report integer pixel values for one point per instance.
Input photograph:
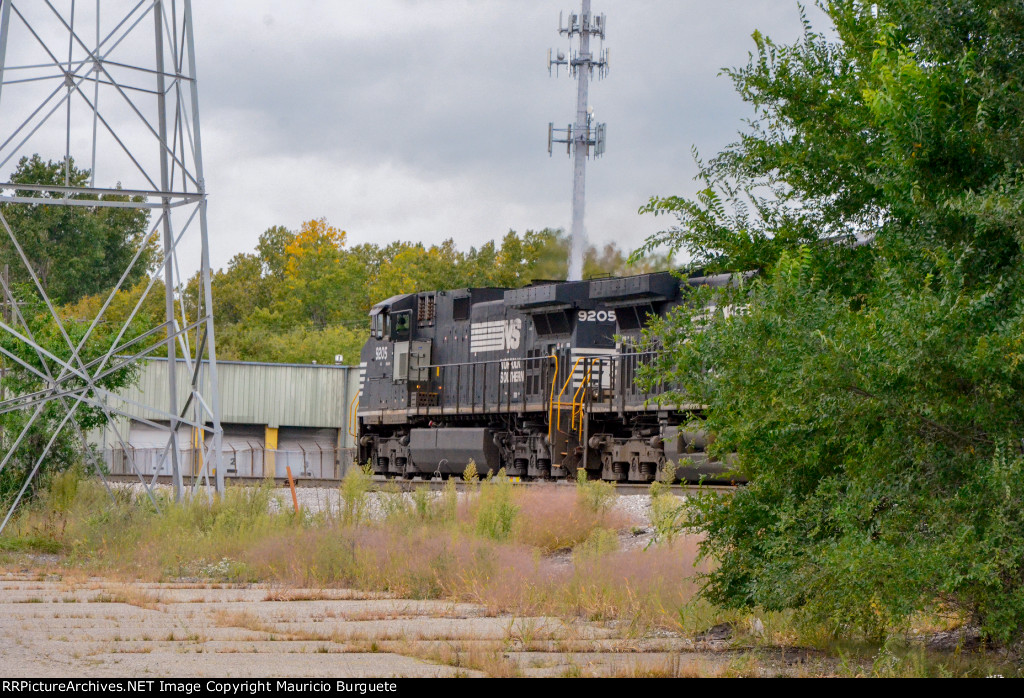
(401, 120)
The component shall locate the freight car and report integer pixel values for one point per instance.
(538, 380)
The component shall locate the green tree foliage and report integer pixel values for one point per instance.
(318, 275)
(263, 340)
(304, 296)
(871, 392)
(149, 314)
(241, 288)
(32, 372)
(272, 251)
(75, 251)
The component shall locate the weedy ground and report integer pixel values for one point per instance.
(548, 565)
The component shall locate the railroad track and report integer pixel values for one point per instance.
(621, 488)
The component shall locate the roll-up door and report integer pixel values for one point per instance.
(147, 448)
(243, 449)
(310, 452)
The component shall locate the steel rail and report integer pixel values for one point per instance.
(621, 488)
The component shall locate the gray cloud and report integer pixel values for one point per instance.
(428, 120)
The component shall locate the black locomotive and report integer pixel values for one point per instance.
(538, 380)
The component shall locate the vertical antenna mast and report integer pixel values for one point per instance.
(585, 133)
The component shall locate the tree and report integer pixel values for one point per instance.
(263, 340)
(30, 373)
(272, 250)
(77, 254)
(241, 288)
(549, 258)
(317, 277)
(75, 251)
(407, 267)
(304, 296)
(869, 386)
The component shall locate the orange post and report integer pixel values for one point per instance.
(291, 483)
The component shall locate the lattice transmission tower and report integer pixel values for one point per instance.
(112, 83)
(584, 134)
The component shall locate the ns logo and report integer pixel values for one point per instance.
(499, 335)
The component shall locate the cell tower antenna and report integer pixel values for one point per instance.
(585, 133)
(114, 81)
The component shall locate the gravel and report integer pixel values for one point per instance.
(635, 507)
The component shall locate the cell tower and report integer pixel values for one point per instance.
(113, 83)
(584, 134)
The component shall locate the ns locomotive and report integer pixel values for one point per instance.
(538, 380)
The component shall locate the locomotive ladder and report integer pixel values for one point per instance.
(577, 432)
(557, 404)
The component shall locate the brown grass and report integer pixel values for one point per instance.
(242, 619)
(485, 657)
(544, 551)
(133, 596)
(297, 595)
(642, 586)
(556, 518)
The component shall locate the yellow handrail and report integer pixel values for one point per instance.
(583, 384)
(568, 380)
(551, 402)
(352, 407)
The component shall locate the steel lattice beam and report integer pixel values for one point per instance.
(126, 69)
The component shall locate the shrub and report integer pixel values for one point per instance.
(870, 392)
(595, 495)
(495, 510)
(354, 487)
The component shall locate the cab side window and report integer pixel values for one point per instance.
(400, 327)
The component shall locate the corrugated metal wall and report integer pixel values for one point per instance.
(275, 395)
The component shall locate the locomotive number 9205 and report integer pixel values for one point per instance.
(596, 316)
(381, 354)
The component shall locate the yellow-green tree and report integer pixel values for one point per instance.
(318, 275)
(304, 295)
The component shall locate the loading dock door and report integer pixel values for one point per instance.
(146, 446)
(243, 449)
(310, 452)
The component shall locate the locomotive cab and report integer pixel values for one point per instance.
(395, 354)
(391, 320)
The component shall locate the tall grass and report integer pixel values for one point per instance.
(354, 487)
(495, 509)
(667, 512)
(519, 550)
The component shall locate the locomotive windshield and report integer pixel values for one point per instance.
(377, 324)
